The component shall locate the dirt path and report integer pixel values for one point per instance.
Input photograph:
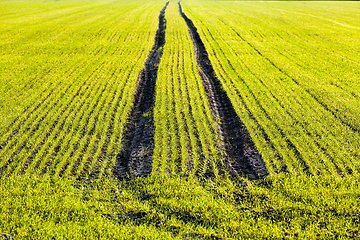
(135, 159)
(243, 158)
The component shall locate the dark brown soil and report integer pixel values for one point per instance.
(242, 157)
(135, 159)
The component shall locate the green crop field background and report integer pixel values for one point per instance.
(69, 72)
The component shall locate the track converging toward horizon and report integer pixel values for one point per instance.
(135, 159)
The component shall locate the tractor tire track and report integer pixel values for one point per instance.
(135, 159)
(241, 154)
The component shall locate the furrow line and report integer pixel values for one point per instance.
(242, 156)
(135, 158)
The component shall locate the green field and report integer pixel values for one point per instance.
(70, 72)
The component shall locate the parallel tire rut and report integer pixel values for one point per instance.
(135, 159)
(242, 156)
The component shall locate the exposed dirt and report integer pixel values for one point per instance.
(242, 156)
(135, 159)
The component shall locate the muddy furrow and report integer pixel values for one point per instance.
(135, 159)
(242, 156)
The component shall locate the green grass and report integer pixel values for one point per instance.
(67, 77)
(169, 207)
